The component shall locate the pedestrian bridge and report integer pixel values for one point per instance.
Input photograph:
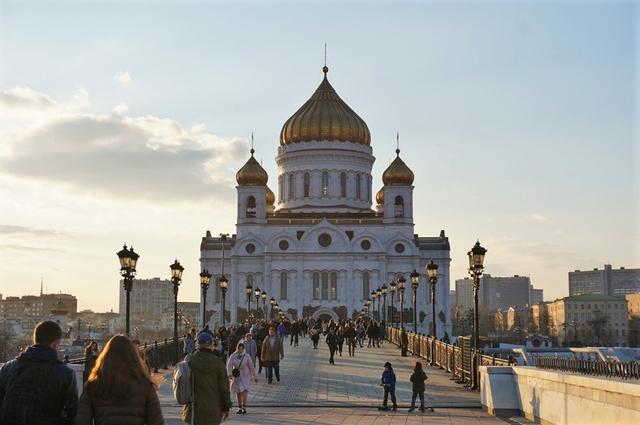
(313, 391)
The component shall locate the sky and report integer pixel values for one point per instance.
(126, 122)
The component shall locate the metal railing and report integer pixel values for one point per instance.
(612, 369)
(459, 360)
(157, 355)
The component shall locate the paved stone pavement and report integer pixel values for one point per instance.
(312, 391)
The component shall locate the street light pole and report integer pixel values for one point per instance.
(384, 303)
(223, 282)
(272, 301)
(176, 278)
(205, 280)
(432, 272)
(264, 304)
(392, 289)
(401, 282)
(476, 267)
(415, 282)
(128, 260)
(249, 292)
(257, 292)
(378, 296)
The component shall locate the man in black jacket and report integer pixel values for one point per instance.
(36, 388)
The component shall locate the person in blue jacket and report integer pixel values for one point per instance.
(388, 382)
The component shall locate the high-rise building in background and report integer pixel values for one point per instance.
(535, 295)
(149, 297)
(608, 281)
(497, 292)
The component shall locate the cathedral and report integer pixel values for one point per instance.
(320, 247)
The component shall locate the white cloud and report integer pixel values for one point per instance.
(540, 218)
(120, 108)
(126, 157)
(123, 78)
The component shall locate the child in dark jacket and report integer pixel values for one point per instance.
(418, 377)
(388, 382)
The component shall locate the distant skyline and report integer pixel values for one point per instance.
(126, 122)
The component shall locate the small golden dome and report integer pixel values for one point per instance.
(270, 197)
(380, 197)
(325, 117)
(252, 173)
(397, 172)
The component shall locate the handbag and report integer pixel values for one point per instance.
(235, 372)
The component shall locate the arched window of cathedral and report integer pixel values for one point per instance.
(218, 291)
(325, 183)
(283, 286)
(325, 285)
(334, 286)
(316, 286)
(281, 188)
(291, 187)
(358, 186)
(251, 207)
(343, 184)
(365, 285)
(250, 280)
(398, 205)
(307, 185)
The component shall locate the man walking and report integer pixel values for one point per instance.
(350, 336)
(36, 388)
(332, 342)
(272, 353)
(212, 398)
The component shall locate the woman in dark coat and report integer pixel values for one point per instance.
(119, 389)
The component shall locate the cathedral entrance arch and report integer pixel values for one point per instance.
(324, 313)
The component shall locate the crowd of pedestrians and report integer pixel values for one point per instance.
(38, 389)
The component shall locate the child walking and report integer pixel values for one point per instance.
(418, 377)
(388, 382)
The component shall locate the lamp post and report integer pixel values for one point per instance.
(223, 282)
(415, 282)
(383, 290)
(273, 303)
(249, 291)
(378, 296)
(368, 303)
(128, 261)
(401, 282)
(176, 278)
(432, 273)
(205, 280)
(476, 267)
(373, 301)
(257, 292)
(264, 304)
(392, 289)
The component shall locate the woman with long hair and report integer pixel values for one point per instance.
(90, 357)
(119, 389)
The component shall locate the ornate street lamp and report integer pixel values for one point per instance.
(383, 290)
(249, 291)
(257, 292)
(392, 289)
(264, 304)
(273, 303)
(205, 280)
(128, 261)
(476, 267)
(176, 278)
(415, 282)
(432, 273)
(223, 282)
(373, 307)
(401, 282)
(378, 295)
(367, 304)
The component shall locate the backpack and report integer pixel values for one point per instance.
(28, 400)
(183, 382)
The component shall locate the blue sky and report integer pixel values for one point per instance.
(518, 119)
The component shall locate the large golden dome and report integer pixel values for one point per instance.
(397, 172)
(252, 173)
(325, 117)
